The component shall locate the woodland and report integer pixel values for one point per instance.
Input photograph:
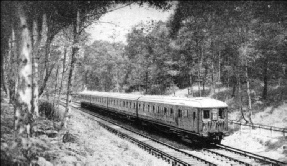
(45, 54)
(237, 45)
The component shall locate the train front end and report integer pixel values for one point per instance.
(214, 122)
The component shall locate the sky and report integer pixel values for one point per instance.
(119, 22)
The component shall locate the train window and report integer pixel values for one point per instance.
(158, 109)
(165, 110)
(221, 113)
(206, 114)
(143, 107)
(193, 115)
(148, 108)
(171, 111)
(185, 113)
(179, 113)
(153, 108)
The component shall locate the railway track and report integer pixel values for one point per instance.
(252, 158)
(218, 155)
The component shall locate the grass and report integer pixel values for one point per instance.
(91, 144)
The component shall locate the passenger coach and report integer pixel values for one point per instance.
(203, 117)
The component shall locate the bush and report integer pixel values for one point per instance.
(47, 110)
(156, 89)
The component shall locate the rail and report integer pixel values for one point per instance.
(274, 131)
(251, 155)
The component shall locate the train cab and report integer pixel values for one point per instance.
(214, 123)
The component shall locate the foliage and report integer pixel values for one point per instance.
(220, 44)
(103, 66)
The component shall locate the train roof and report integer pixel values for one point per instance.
(199, 102)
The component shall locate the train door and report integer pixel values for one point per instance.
(179, 119)
(170, 114)
(194, 119)
(186, 118)
(173, 114)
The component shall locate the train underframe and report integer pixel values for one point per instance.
(215, 137)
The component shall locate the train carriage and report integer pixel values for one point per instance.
(201, 116)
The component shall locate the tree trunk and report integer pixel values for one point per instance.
(2, 69)
(212, 77)
(248, 87)
(56, 84)
(10, 65)
(219, 54)
(23, 112)
(199, 67)
(75, 49)
(190, 92)
(265, 79)
(63, 73)
(204, 79)
(248, 93)
(233, 89)
(37, 29)
(146, 81)
(47, 71)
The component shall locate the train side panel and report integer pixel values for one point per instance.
(185, 118)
